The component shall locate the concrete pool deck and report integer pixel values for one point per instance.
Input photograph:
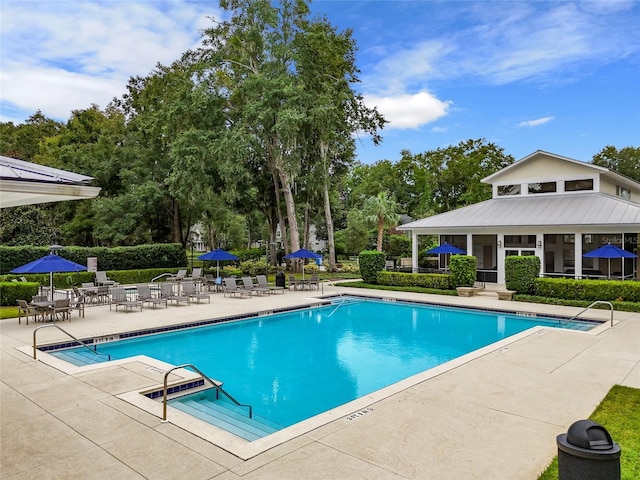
(496, 416)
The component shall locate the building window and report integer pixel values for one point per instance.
(623, 192)
(578, 185)
(504, 190)
(520, 241)
(542, 187)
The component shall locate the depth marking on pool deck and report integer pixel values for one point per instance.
(155, 370)
(359, 414)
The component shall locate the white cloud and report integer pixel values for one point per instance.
(59, 56)
(409, 110)
(535, 123)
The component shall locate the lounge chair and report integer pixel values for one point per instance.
(189, 289)
(167, 292)
(295, 283)
(248, 284)
(263, 283)
(25, 310)
(178, 276)
(119, 298)
(145, 296)
(231, 287)
(196, 275)
(102, 279)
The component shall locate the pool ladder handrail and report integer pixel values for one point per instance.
(216, 385)
(160, 276)
(603, 302)
(35, 346)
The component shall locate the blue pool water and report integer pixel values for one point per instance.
(294, 365)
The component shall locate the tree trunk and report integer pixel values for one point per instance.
(380, 230)
(329, 220)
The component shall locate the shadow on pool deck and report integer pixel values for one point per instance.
(494, 417)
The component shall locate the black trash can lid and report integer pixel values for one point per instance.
(589, 435)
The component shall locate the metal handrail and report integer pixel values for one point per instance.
(160, 276)
(587, 308)
(215, 385)
(95, 350)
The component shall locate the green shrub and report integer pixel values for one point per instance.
(348, 267)
(520, 273)
(311, 268)
(592, 290)
(371, 262)
(249, 254)
(438, 281)
(11, 292)
(463, 270)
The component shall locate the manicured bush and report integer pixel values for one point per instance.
(592, 290)
(463, 270)
(520, 273)
(617, 305)
(11, 292)
(438, 281)
(371, 262)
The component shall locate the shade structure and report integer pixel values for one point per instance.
(303, 253)
(609, 251)
(446, 248)
(218, 255)
(50, 264)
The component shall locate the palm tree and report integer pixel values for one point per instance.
(381, 211)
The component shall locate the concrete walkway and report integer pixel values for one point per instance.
(494, 417)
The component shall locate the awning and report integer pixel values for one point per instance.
(26, 183)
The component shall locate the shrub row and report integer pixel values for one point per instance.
(10, 292)
(121, 258)
(591, 290)
(438, 281)
(617, 305)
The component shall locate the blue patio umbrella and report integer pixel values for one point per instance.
(303, 253)
(446, 248)
(609, 251)
(218, 255)
(49, 264)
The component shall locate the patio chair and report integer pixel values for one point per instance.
(78, 301)
(61, 308)
(263, 283)
(90, 291)
(102, 279)
(145, 296)
(25, 310)
(119, 298)
(102, 294)
(196, 275)
(248, 284)
(295, 283)
(314, 281)
(231, 287)
(190, 290)
(167, 292)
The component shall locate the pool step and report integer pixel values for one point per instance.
(80, 357)
(226, 416)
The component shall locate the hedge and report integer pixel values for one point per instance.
(117, 258)
(520, 273)
(592, 290)
(11, 292)
(439, 281)
(617, 305)
(371, 262)
(463, 270)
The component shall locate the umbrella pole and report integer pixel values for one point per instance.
(217, 268)
(51, 284)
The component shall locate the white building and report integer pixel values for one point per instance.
(546, 205)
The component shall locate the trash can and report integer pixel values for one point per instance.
(587, 452)
(280, 280)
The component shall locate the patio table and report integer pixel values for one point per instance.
(43, 309)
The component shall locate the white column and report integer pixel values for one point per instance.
(540, 251)
(414, 251)
(469, 244)
(500, 259)
(577, 252)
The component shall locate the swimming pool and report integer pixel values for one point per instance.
(292, 366)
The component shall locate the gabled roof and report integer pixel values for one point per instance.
(621, 179)
(26, 183)
(582, 209)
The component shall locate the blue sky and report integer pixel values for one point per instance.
(558, 76)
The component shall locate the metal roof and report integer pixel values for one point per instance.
(25, 183)
(584, 209)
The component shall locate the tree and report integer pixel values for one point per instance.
(381, 211)
(625, 161)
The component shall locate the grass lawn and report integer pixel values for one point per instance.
(8, 312)
(619, 413)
